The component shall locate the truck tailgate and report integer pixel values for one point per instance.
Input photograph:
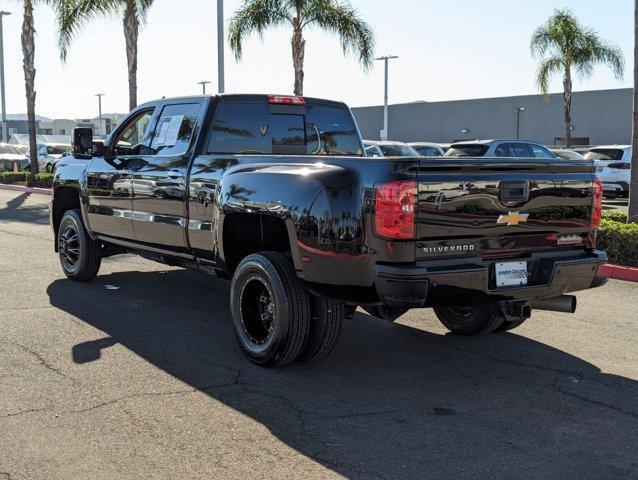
(502, 207)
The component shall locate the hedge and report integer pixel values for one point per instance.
(41, 180)
(619, 238)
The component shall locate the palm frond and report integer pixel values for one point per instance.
(73, 15)
(355, 34)
(546, 69)
(255, 16)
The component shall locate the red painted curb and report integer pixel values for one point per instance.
(618, 272)
(20, 188)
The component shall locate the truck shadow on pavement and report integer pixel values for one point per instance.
(391, 401)
(17, 211)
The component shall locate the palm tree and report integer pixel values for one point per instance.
(28, 63)
(563, 45)
(133, 13)
(633, 186)
(335, 16)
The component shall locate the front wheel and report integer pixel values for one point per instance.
(270, 308)
(472, 320)
(80, 255)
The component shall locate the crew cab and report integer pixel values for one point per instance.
(276, 194)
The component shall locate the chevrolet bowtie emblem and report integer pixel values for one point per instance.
(512, 218)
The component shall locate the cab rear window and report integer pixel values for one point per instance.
(256, 128)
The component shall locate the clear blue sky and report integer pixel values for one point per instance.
(449, 50)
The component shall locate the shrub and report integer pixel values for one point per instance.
(616, 216)
(40, 180)
(620, 240)
(13, 177)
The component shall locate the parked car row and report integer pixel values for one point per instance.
(613, 162)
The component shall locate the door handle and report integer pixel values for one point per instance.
(174, 173)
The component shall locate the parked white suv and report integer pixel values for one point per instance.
(389, 149)
(613, 167)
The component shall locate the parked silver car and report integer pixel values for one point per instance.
(566, 153)
(389, 149)
(499, 148)
(428, 149)
(613, 167)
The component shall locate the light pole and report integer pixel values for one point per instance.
(384, 132)
(220, 46)
(518, 121)
(99, 105)
(203, 83)
(5, 133)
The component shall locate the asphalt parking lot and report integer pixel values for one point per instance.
(138, 375)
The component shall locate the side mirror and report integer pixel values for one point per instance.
(82, 146)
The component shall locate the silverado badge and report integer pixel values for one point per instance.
(512, 218)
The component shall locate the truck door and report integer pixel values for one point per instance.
(110, 181)
(159, 186)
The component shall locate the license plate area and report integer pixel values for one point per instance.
(510, 274)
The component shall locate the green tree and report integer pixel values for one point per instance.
(133, 13)
(563, 45)
(334, 16)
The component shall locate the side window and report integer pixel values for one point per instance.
(541, 152)
(521, 150)
(241, 128)
(501, 150)
(130, 138)
(372, 152)
(175, 129)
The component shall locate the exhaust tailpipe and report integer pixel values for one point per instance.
(564, 303)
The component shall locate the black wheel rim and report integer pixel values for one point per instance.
(69, 246)
(257, 309)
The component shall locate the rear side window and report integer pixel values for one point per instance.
(174, 130)
(521, 150)
(397, 151)
(604, 154)
(428, 151)
(256, 128)
(470, 150)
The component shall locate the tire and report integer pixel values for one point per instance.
(326, 325)
(474, 320)
(80, 256)
(270, 308)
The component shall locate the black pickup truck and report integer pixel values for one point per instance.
(275, 193)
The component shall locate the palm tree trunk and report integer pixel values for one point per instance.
(298, 54)
(633, 186)
(28, 52)
(567, 104)
(131, 28)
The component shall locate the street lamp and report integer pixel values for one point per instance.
(99, 105)
(5, 133)
(518, 121)
(220, 45)
(203, 83)
(384, 132)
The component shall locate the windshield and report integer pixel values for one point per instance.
(56, 149)
(396, 150)
(8, 149)
(469, 150)
(604, 154)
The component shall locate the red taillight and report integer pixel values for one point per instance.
(597, 205)
(286, 100)
(395, 210)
